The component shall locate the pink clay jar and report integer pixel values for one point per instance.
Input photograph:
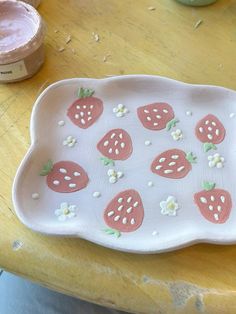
(22, 34)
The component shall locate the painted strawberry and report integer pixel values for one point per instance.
(173, 164)
(214, 204)
(86, 110)
(65, 176)
(210, 131)
(116, 145)
(124, 213)
(157, 116)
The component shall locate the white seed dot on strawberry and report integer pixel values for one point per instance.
(209, 128)
(76, 174)
(91, 107)
(158, 116)
(84, 107)
(89, 113)
(210, 207)
(155, 123)
(124, 220)
(62, 170)
(132, 221)
(120, 135)
(162, 159)
(172, 163)
(89, 118)
(180, 168)
(210, 136)
(167, 171)
(158, 167)
(207, 122)
(216, 216)
(110, 150)
(120, 200)
(175, 156)
(106, 143)
(135, 204)
(122, 145)
(129, 210)
(212, 198)
(67, 178)
(203, 200)
(146, 111)
(201, 130)
(219, 208)
(72, 185)
(117, 218)
(117, 151)
(149, 118)
(213, 123)
(120, 208)
(217, 132)
(82, 121)
(129, 199)
(113, 135)
(222, 198)
(116, 142)
(111, 213)
(155, 110)
(77, 107)
(81, 113)
(56, 182)
(76, 116)
(165, 110)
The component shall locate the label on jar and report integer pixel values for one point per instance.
(13, 71)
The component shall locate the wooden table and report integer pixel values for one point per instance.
(132, 39)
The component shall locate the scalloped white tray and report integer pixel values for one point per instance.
(158, 232)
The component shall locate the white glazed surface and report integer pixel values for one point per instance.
(158, 233)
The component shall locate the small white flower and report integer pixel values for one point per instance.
(177, 135)
(114, 175)
(65, 211)
(70, 141)
(169, 207)
(216, 161)
(120, 110)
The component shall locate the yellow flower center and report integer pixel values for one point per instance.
(170, 205)
(217, 159)
(66, 211)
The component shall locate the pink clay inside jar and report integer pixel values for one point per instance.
(21, 41)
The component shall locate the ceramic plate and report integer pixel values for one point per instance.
(135, 163)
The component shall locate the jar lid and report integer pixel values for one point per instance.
(22, 30)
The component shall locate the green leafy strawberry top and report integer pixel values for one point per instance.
(47, 168)
(114, 232)
(208, 186)
(171, 124)
(107, 161)
(191, 158)
(208, 146)
(85, 92)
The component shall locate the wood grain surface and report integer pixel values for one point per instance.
(133, 40)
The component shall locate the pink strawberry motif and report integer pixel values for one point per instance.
(116, 145)
(210, 131)
(86, 110)
(173, 164)
(124, 213)
(65, 176)
(214, 204)
(157, 116)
